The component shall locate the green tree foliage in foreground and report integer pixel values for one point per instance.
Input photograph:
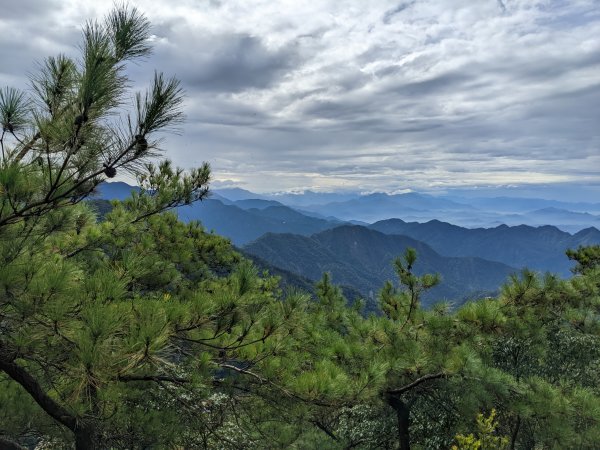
(139, 331)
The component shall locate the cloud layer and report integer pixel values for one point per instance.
(361, 95)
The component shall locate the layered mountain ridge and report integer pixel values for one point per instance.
(309, 239)
(362, 258)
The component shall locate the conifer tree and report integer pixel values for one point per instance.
(59, 274)
(412, 368)
(110, 328)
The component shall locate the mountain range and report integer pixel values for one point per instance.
(241, 220)
(491, 212)
(460, 210)
(539, 248)
(307, 239)
(362, 258)
(246, 220)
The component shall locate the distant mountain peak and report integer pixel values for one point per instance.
(375, 195)
(236, 193)
(588, 230)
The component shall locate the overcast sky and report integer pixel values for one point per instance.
(365, 95)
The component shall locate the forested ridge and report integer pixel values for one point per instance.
(126, 328)
(362, 258)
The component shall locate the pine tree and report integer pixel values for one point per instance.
(412, 367)
(60, 277)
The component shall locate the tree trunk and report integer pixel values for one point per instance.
(8, 444)
(85, 438)
(513, 438)
(403, 416)
(20, 375)
(86, 434)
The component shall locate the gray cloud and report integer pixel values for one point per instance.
(390, 13)
(23, 10)
(363, 95)
(225, 62)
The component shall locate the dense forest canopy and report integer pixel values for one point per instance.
(140, 331)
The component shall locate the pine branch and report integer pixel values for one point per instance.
(325, 430)
(280, 388)
(417, 382)
(155, 378)
(35, 390)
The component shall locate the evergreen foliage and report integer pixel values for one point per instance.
(485, 439)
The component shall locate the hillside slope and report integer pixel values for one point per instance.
(538, 248)
(244, 225)
(362, 258)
